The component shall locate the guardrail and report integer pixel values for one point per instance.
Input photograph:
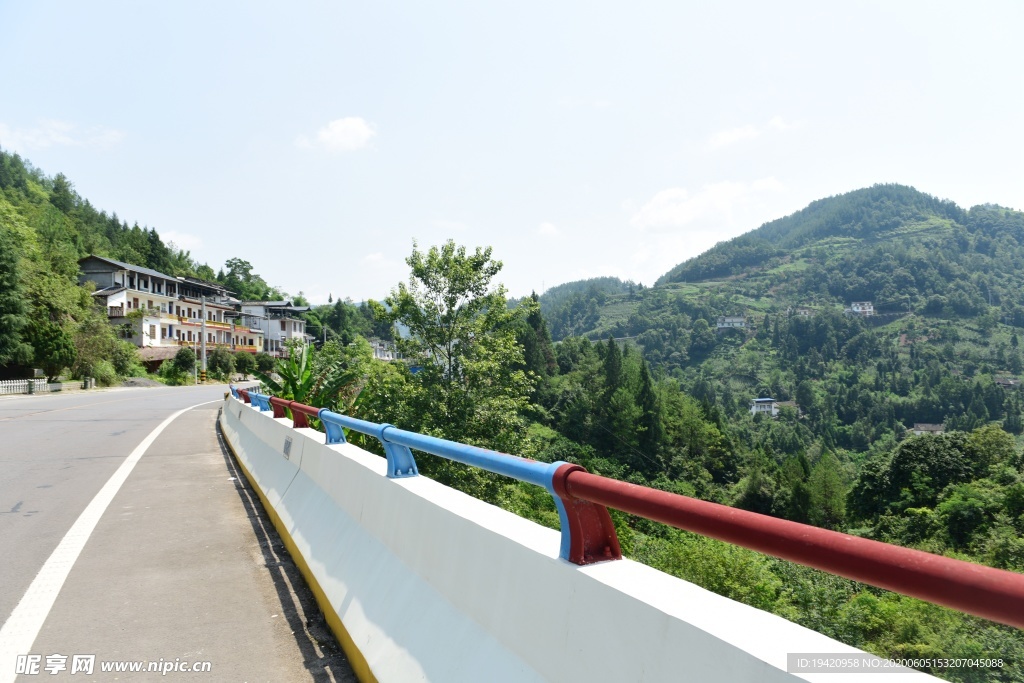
(588, 534)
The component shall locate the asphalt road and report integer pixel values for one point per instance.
(182, 565)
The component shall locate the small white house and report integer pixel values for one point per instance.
(726, 322)
(764, 406)
(864, 308)
(924, 428)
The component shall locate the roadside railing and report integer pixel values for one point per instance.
(588, 534)
(23, 386)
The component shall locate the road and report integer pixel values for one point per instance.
(169, 556)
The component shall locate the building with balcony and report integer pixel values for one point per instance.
(279, 322)
(764, 406)
(160, 313)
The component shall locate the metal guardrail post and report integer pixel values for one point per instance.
(401, 462)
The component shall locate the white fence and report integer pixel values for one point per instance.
(21, 386)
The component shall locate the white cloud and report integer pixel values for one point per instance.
(51, 133)
(548, 230)
(182, 240)
(713, 206)
(342, 135)
(750, 131)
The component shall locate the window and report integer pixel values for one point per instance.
(135, 302)
(163, 333)
(283, 328)
(152, 331)
(149, 303)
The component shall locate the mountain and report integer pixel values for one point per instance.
(903, 250)
(870, 214)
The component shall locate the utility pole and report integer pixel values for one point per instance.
(203, 339)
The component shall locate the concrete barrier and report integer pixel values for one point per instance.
(421, 582)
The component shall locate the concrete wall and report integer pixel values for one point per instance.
(421, 582)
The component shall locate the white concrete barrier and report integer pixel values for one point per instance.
(423, 583)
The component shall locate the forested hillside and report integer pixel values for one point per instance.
(668, 403)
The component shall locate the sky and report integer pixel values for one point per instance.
(319, 140)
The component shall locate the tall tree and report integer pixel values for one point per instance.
(13, 314)
(462, 332)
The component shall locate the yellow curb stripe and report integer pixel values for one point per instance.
(355, 658)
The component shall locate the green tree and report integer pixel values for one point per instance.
(462, 333)
(245, 363)
(828, 493)
(14, 350)
(54, 348)
(185, 360)
(264, 362)
(221, 362)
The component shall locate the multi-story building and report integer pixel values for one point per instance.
(161, 313)
(278, 321)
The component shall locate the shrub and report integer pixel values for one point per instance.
(245, 362)
(221, 363)
(184, 360)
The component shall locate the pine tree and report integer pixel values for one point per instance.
(13, 314)
(652, 432)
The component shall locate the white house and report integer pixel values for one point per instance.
(863, 308)
(278, 322)
(384, 350)
(730, 321)
(764, 406)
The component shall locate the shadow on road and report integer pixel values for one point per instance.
(321, 654)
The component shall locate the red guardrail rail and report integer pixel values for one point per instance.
(986, 592)
(301, 414)
(983, 591)
(280, 406)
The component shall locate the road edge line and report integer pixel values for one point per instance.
(22, 627)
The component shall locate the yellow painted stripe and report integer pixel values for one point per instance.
(355, 658)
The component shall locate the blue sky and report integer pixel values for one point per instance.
(579, 139)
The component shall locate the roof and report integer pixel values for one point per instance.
(158, 352)
(764, 400)
(924, 427)
(107, 291)
(127, 266)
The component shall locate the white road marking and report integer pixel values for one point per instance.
(21, 628)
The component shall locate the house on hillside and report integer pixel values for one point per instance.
(727, 322)
(924, 428)
(764, 406)
(160, 313)
(803, 311)
(1006, 382)
(384, 350)
(861, 308)
(278, 321)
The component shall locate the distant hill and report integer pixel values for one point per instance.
(868, 214)
(571, 307)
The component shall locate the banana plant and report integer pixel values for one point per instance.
(297, 379)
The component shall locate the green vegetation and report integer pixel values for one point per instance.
(644, 388)
(46, 320)
(641, 385)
